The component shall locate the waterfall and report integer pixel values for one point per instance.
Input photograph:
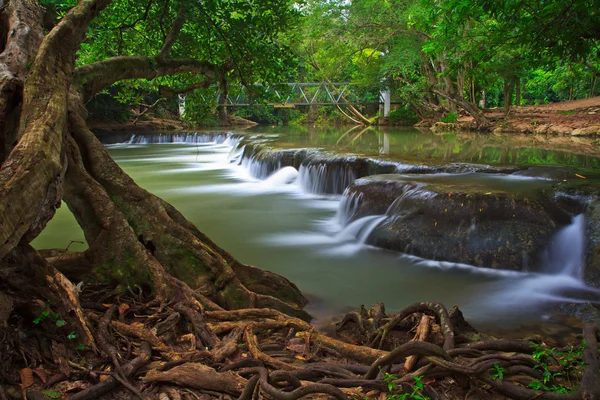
(260, 169)
(284, 176)
(348, 207)
(204, 138)
(360, 229)
(566, 252)
(325, 179)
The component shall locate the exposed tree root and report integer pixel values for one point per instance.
(262, 353)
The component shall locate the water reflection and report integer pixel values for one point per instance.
(410, 144)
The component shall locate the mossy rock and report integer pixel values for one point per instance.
(459, 222)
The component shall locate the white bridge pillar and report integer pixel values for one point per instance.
(181, 100)
(386, 97)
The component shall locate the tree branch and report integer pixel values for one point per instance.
(93, 78)
(173, 33)
(592, 68)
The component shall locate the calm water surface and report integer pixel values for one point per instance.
(276, 226)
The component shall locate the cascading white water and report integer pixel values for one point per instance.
(566, 252)
(348, 207)
(259, 169)
(220, 138)
(322, 178)
(284, 176)
(360, 229)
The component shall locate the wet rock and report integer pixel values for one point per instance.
(457, 222)
(585, 312)
(592, 268)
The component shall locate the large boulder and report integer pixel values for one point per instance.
(446, 219)
(592, 268)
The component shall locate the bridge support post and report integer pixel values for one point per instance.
(386, 97)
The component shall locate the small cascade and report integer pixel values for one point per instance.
(284, 176)
(566, 252)
(204, 138)
(236, 153)
(360, 229)
(322, 178)
(260, 169)
(348, 207)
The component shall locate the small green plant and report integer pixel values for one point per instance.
(416, 394)
(49, 315)
(566, 112)
(53, 395)
(498, 372)
(556, 367)
(449, 118)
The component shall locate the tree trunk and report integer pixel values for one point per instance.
(481, 120)
(135, 238)
(518, 92)
(449, 87)
(223, 116)
(509, 86)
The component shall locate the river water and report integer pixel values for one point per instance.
(277, 225)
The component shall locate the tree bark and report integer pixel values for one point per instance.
(223, 116)
(31, 176)
(21, 30)
(509, 87)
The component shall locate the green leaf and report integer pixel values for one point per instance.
(60, 322)
(72, 335)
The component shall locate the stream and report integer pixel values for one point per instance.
(283, 224)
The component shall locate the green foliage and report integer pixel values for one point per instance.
(47, 314)
(52, 395)
(558, 367)
(498, 372)
(403, 116)
(107, 106)
(416, 394)
(450, 118)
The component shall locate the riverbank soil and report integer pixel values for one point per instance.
(174, 351)
(577, 118)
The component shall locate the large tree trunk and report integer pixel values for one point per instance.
(135, 238)
(509, 88)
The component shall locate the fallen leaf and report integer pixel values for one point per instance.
(107, 305)
(42, 374)
(580, 176)
(123, 308)
(300, 358)
(26, 377)
(77, 386)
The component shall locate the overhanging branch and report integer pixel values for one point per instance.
(93, 78)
